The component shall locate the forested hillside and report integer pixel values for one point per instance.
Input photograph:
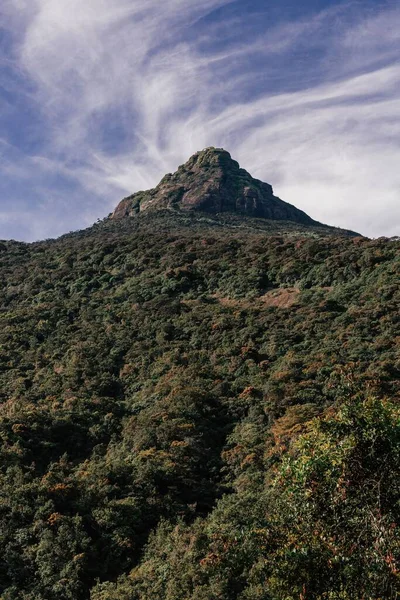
(200, 408)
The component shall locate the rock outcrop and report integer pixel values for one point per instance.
(211, 181)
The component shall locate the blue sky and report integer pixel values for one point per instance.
(99, 99)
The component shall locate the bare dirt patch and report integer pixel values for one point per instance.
(281, 298)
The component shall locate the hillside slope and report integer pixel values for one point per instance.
(198, 407)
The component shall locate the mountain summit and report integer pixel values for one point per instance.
(211, 181)
(188, 400)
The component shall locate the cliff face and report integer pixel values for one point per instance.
(211, 181)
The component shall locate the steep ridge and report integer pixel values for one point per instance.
(211, 181)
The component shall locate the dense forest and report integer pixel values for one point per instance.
(199, 407)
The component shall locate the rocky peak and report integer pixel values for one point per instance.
(211, 181)
(210, 157)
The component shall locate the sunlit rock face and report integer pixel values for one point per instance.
(211, 181)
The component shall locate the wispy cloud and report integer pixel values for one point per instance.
(124, 91)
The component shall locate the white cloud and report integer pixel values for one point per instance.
(328, 143)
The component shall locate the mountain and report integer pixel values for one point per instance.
(200, 405)
(210, 181)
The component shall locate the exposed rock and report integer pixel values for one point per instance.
(211, 181)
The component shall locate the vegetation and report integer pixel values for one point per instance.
(200, 408)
